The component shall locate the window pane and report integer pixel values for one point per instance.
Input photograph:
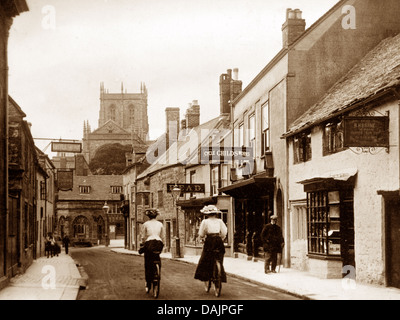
(252, 127)
(265, 117)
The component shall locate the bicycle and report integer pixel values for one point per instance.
(216, 277)
(157, 274)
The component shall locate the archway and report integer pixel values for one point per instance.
(81, 228)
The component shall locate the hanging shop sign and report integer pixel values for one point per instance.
(65, 180)
(72, 147)
(366, 132)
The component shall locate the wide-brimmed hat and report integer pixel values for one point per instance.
(210, 209)
(274, 217)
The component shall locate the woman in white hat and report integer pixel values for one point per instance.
(214, 231)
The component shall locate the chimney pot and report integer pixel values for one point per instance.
(235, 74)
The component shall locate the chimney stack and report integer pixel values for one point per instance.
(293, 27)
(229, 88)
(172, 126)
(193, 115)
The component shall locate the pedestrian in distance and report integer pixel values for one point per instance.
(273, 244)
(50, 246)
(214, 231)
(66, 242)
(152, 244)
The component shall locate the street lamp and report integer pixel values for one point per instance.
(105, 209)
(176, 192)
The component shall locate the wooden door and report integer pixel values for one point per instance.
(393, 243)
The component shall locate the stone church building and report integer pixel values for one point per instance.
(123, 119)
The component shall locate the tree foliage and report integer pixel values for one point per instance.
(109, 159)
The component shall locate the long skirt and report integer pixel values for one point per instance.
(205, 267)
(150, 257)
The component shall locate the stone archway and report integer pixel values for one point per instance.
(81, 228)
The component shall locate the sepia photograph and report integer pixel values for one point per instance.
(200, 156)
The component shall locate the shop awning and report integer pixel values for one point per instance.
(330, 179)
(200, 202)
(251, 188)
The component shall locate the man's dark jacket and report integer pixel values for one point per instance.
(272, 238)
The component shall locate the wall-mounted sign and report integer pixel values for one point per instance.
(226, 154)
(188, 187)
(65, 180)
(366, 132)
(72, 147)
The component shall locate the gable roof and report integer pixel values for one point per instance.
(182, 150)
(110, 125)
(376, 73)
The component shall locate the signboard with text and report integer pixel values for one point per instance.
(366, 132)
(188, 187)
(72, 147)
(226, 154)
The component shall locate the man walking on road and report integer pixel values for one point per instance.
(66, 243)
(273, 243)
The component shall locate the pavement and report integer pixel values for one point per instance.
(60, 278)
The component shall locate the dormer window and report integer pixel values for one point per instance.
(333, 137)
(116, 189)
(302, 147)
(84, 189)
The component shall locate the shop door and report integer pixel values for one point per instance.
(393, 242)
(347, 228)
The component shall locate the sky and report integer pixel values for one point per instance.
(60, 51)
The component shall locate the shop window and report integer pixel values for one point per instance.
(324, 227)
(333, 137)
(193, 221)
(302, 148)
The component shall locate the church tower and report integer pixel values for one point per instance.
(127, 110)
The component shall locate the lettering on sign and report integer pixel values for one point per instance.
(188, 187)
(226, 154)
(366, 132)
(73, 147)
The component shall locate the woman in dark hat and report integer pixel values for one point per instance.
(214, 231)
(152, 233)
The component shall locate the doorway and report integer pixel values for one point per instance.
(393, 242)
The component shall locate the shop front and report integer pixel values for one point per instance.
(193, 217)
(253, 203)
(330, 224)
